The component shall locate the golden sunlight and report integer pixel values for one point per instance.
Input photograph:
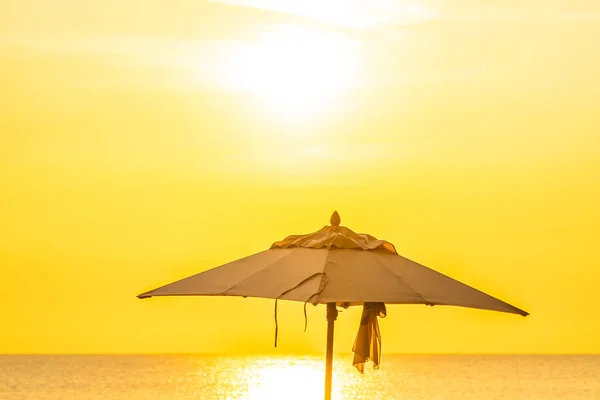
(351, 13)
(285, 379)
(293, 72)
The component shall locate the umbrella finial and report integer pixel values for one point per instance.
(335, 219)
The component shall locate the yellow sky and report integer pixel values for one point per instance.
(141, 143)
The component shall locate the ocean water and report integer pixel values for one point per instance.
(406, 377)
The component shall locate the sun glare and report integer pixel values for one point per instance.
(352, 13)
(293, 72)
(290, 381)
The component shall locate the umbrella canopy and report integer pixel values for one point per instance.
(333, 265)
(336, 266)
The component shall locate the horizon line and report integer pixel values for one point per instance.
(230, 354)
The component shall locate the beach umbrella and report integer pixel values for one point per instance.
(340, 268)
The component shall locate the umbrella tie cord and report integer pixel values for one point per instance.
(276, 326)
(305, 317)
(311, 297)
(322, 286)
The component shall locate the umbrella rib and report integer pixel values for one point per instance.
(432, 303)
(518, 310)
(323, 282)
(254, 273)
(425, 299)
(147, 293)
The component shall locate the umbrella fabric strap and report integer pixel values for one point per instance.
(322, 286)
(277, 325)
(367, 345)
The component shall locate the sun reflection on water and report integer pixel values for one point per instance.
(289, 378)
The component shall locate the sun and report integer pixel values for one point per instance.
(293, 72)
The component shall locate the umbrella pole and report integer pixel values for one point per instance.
(331, 317)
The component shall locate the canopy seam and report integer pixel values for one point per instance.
(425, 299)
(254, 273)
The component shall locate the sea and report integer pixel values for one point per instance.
(192, 377)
